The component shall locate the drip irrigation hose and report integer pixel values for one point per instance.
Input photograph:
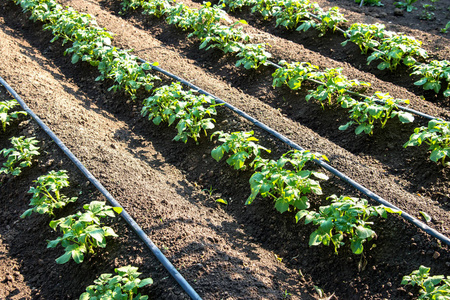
(159, 255)
(321, 163)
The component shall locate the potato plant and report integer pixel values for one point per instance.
(286, 181)
(83, 232)
(253, 56)
(396, 49)
(432, 75)
(366, 113)
(366, 36)
(293, 74)
(241, 145)
(188, 110)
(6, 115)
(435, 287)
(437, 136)
(46, 194)
(123, 286)
(345, 217)
(20, 155)
(334, 86)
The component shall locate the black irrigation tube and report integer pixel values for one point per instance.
(321, 163)
(159, 255)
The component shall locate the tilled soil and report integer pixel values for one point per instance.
(225, 252)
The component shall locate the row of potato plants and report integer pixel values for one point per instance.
(82, 232)
(333, 87)
(285, 180)
(390, 47)
(169, 104)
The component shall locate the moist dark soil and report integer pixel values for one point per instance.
(224, 251)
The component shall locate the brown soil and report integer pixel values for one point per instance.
(225, 252)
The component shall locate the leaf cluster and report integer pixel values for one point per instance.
(253, 56)
(396, 49)
(20, 156)
(6, 116)
(380, 107)
(188, 110)
(241, 145)
(435, 287)
(286, 181)
(432, 75)
(82, 232)
(46, 194)
(437, 136)
(366, 36)
(123, 286)
(344, 217)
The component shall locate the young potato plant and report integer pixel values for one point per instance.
(432, 75)
(292, 13)
(328, 19)
(366, 113)
(334, 86)
(83, 232)
(155, 8)
(266, 7)
(172, 104)
(46, 194)
(6, 116)
(437, 136)
(125, 71)
(370, 2)
(344, 217)
(239, 4)
(293, 74)
(205, 19)
(396, 49)
(435, 287)
(366, 36)
(229, 39)
(407, 5)
(253, 56)
(123, 286)
(241, 145)
(20, 156)
(287, 187)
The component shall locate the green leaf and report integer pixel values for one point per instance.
(223, 201)
(64, 258)
(217, 153)
(364, 233)
(145, 282)
(426, 216)
(357, 247)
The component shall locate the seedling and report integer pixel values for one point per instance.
(20, 156)
(239, 4)
(46, 194)
(447, 26)
(344, 217)
(5, 115)
(407, 4)
(370, 2)
(123, 286)
(431, 287)
(241, 145)
(437, 136)
(83, 232)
